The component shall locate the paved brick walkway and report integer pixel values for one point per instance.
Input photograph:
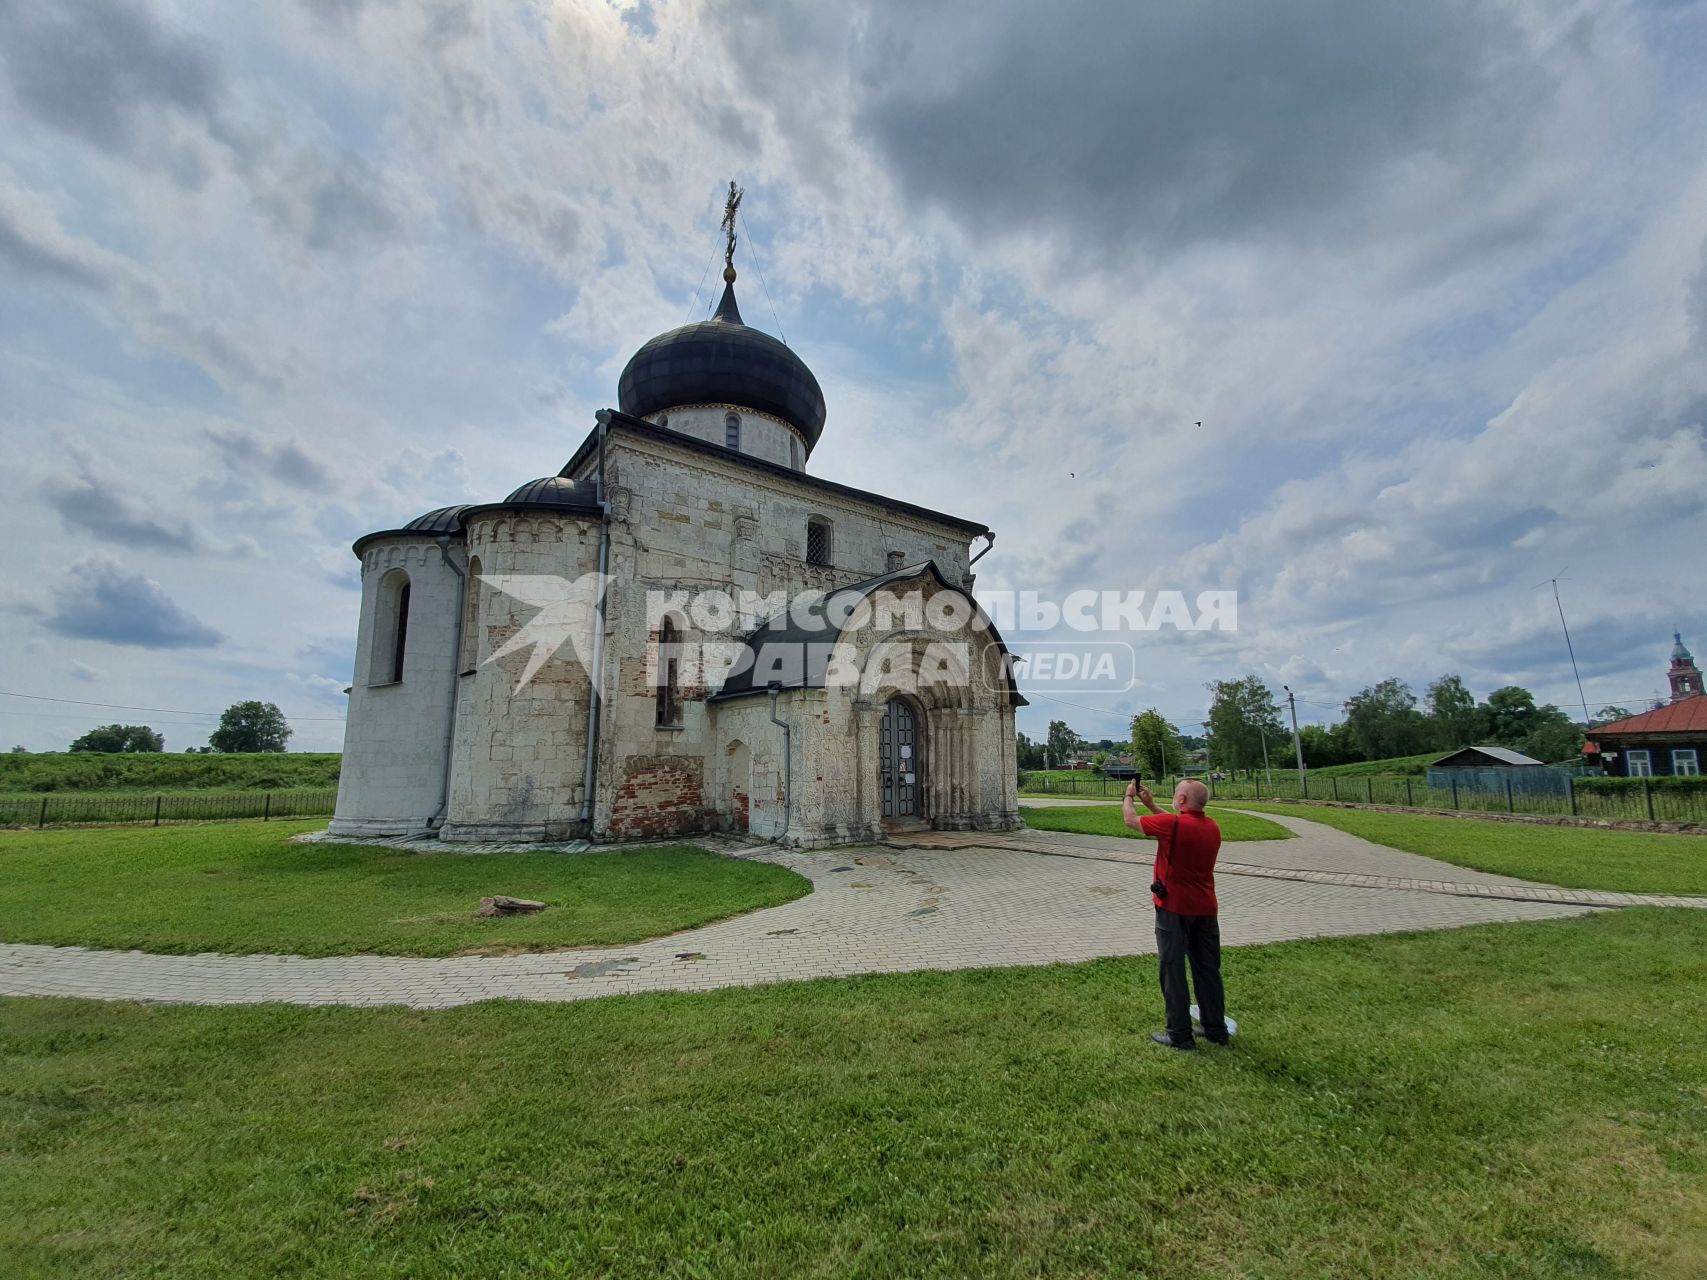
(1321, 855)
(971, 900)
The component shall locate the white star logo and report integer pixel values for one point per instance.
(568, 614)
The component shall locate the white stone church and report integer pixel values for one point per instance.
(699, 484)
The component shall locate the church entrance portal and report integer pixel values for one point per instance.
(898, 761)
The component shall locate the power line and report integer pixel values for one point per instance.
(754, 246)
(702, 278)
(1125, 715)
(121, 706)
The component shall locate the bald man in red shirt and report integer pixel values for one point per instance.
(1187, 924)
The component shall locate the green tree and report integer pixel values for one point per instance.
(20, 751)
(246, 727)
(1384, 721)
(1156, 746)
(121, 737)
(1451, 712)
(1242, 713)
(1508, 716)
(1325, 745)
(1027, 754)
(1062, 743)
(1554, 737)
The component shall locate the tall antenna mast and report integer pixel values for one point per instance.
(1559, 605)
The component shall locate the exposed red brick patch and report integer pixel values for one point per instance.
(659, 796)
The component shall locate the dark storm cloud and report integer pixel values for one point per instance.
(249, 456)
(100, 600)
(84, 68)
(1164, 123)
(1609, 645)
(103, 510)
(110, 73)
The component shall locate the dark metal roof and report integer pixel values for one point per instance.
(723, 361)
(640, 427)
(438, 520)
(1479, 757)
(792, 650)
(549, 493)
(553, 491)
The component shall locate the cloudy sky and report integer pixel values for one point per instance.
(1432, 278)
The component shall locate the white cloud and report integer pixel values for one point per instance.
(293, 273)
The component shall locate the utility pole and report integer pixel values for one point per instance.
(1297, 742)
(1265, 768)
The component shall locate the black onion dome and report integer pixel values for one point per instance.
(438, 520)
(552, 491)
(722, 361)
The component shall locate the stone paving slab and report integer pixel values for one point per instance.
(984, 903)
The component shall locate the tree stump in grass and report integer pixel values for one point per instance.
(503, 906)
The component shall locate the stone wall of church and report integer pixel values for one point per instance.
(965, 759)
(707, 517)
(760, 435)
(687, 523)
(748, 764)
(520, 745)
(396, 731)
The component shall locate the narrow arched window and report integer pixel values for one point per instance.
(402, 645)
(794, 452)
(732, 431)
(470, 655)
(390, 629)
(818, 548)
(669, 698)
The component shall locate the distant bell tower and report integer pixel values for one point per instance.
(1685, 675)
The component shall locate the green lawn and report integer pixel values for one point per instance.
(1515, 1101)
(1575, 857)
(1100, 820)
(241, 886)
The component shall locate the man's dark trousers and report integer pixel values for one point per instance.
(1197, 939)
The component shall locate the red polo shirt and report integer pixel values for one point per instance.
(1186, 845)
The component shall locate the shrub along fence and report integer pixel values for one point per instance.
(61, 809)
(1617, 799)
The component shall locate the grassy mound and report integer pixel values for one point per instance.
(88, 771)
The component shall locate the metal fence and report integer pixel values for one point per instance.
(1635, 800)
(1554, 779)
(61, 808)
